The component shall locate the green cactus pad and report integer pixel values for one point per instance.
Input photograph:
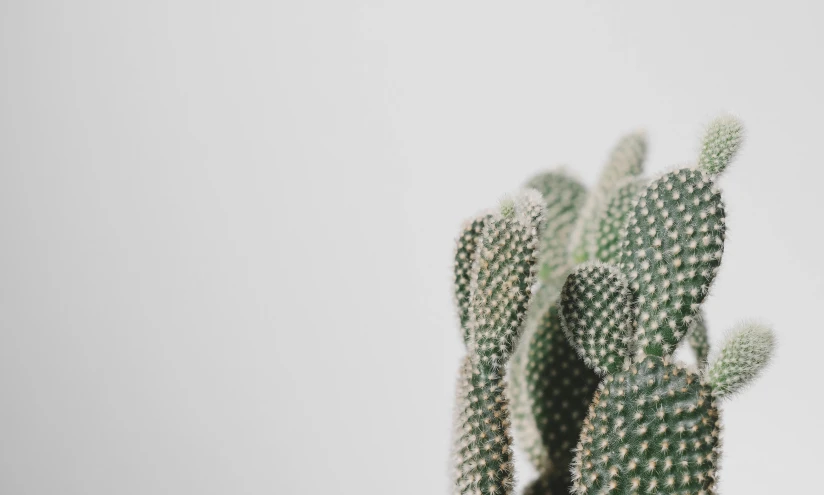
(502, 276)
(607, 245)
(483, 446)
(744, 354)
(625, 160)
(721, 142)
(560, 387)
(563, 198)
(671, 252)
(651, 428)
(464, 256)
(596, 311)
(501, 279)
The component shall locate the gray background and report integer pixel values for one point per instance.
(227, 226)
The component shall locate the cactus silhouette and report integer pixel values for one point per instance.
(653, 425)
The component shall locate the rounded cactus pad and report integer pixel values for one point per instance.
(670, 254)
(596, 312)
(503, 273)
(651, 428)
(560, 388)
(525, 430)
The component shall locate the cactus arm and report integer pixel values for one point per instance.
(671, 252)
(746, 352)
(464, 257)
(722, 140)
(501, 279)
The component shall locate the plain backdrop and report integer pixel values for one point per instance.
(226, 228)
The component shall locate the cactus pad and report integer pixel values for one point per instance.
(501, 278)
(652, 428)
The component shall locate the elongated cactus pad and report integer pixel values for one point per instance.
(722, 141)
(625, 160)
(563, 198)
(597, 315)
(559, 390)
(464, 257)
(501, 279)
(745, 353)
(670, 254)
(606, 246)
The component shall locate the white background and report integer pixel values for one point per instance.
(227, 227)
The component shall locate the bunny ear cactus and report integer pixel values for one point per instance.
(653, 425)
(502, 248)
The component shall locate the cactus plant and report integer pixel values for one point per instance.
(501, 249)
(646, 256)
(653, 425)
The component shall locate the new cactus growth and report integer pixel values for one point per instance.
(653, 425)
(502, 249)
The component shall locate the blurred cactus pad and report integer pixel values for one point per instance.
(571, 303)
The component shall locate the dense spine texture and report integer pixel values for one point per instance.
(653, 425)
(591, 293)
(501, 275)
(464, 256)
(551, 386)
(563, 197)
(745, 353)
